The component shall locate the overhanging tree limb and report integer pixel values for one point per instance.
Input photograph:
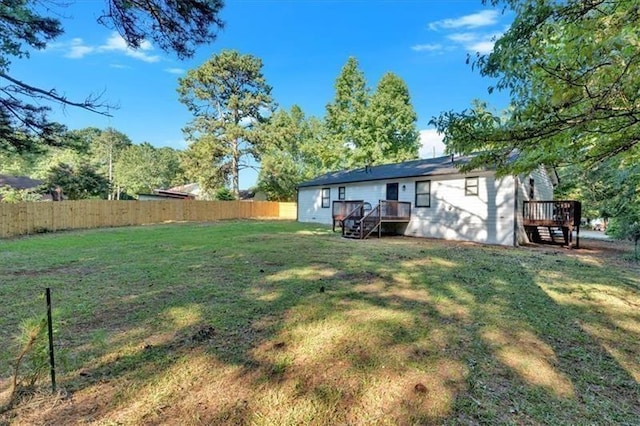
(89, 104)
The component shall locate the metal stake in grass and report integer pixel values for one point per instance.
(52, 362)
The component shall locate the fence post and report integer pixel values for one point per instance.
(50, 332)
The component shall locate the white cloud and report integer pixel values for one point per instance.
(475, 42)
(463, 37)
(431, 144)
(115, 43)
(482, 47)
(77, 49)
(175, 70)
(427, 47)
(468, 32)
(483, 18)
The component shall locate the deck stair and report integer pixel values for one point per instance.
(363, 221)
(363, 227)
(550, 235)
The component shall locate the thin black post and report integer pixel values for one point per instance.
(50, 329)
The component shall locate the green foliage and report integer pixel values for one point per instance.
(391, 124)
(295, 152)
(573, 73)
(371, 129)
(79, 182)
(22, 28)
(345, 118)
(229, 97)
(34, 352)
(16, 164)
(610, 189)
(174, 26)
(223, 194)
(106, 147)
(12, 195)
(143, 168)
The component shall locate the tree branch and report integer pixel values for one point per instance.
(89, 104)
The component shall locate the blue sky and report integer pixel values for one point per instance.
(303, 45)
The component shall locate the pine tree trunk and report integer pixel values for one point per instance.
(235, 170)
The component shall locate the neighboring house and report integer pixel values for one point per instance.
(430, 198)
(165, 194)
(20, 182)
(189, 191)
(192, 189)
(252, 195)
(23, 183)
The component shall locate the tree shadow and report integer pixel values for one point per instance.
(392, 330)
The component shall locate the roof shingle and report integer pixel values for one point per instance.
(427, 167)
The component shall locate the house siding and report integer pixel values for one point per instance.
(486, 218)
(310, 204)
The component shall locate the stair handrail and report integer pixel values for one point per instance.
(362, 236)
(352, 213)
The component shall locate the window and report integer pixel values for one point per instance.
(423, 193)
(532, 192)
(471, 186)
(341, 193)
(326, 197)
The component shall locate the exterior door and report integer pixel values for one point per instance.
(392, 191)
(392, 195)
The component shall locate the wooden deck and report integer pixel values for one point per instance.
(362, 220)
(552, 221)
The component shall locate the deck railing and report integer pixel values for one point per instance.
(353, 217)
(349, 214)
(343, 208)
(552, 213)
(395, 210)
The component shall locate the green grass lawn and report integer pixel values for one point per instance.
(279, 323)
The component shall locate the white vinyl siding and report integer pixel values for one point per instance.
(310, 206)
(486, 218)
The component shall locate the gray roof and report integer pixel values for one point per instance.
(415, 168)
(19, 182)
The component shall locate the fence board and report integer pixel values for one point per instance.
(29, 218)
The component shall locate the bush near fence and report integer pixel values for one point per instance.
(38, 217)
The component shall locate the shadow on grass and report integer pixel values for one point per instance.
(301, 328)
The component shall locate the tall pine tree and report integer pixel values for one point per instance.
(345, 118)
(373, 128)
(229, 97)
(391, 124)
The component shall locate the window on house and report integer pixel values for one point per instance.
(326, 198)
(532, 192)
(423, 193)
(471, 186)
(341, 193)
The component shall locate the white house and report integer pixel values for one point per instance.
(434, 198)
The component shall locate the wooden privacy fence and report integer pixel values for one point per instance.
(30, 218)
